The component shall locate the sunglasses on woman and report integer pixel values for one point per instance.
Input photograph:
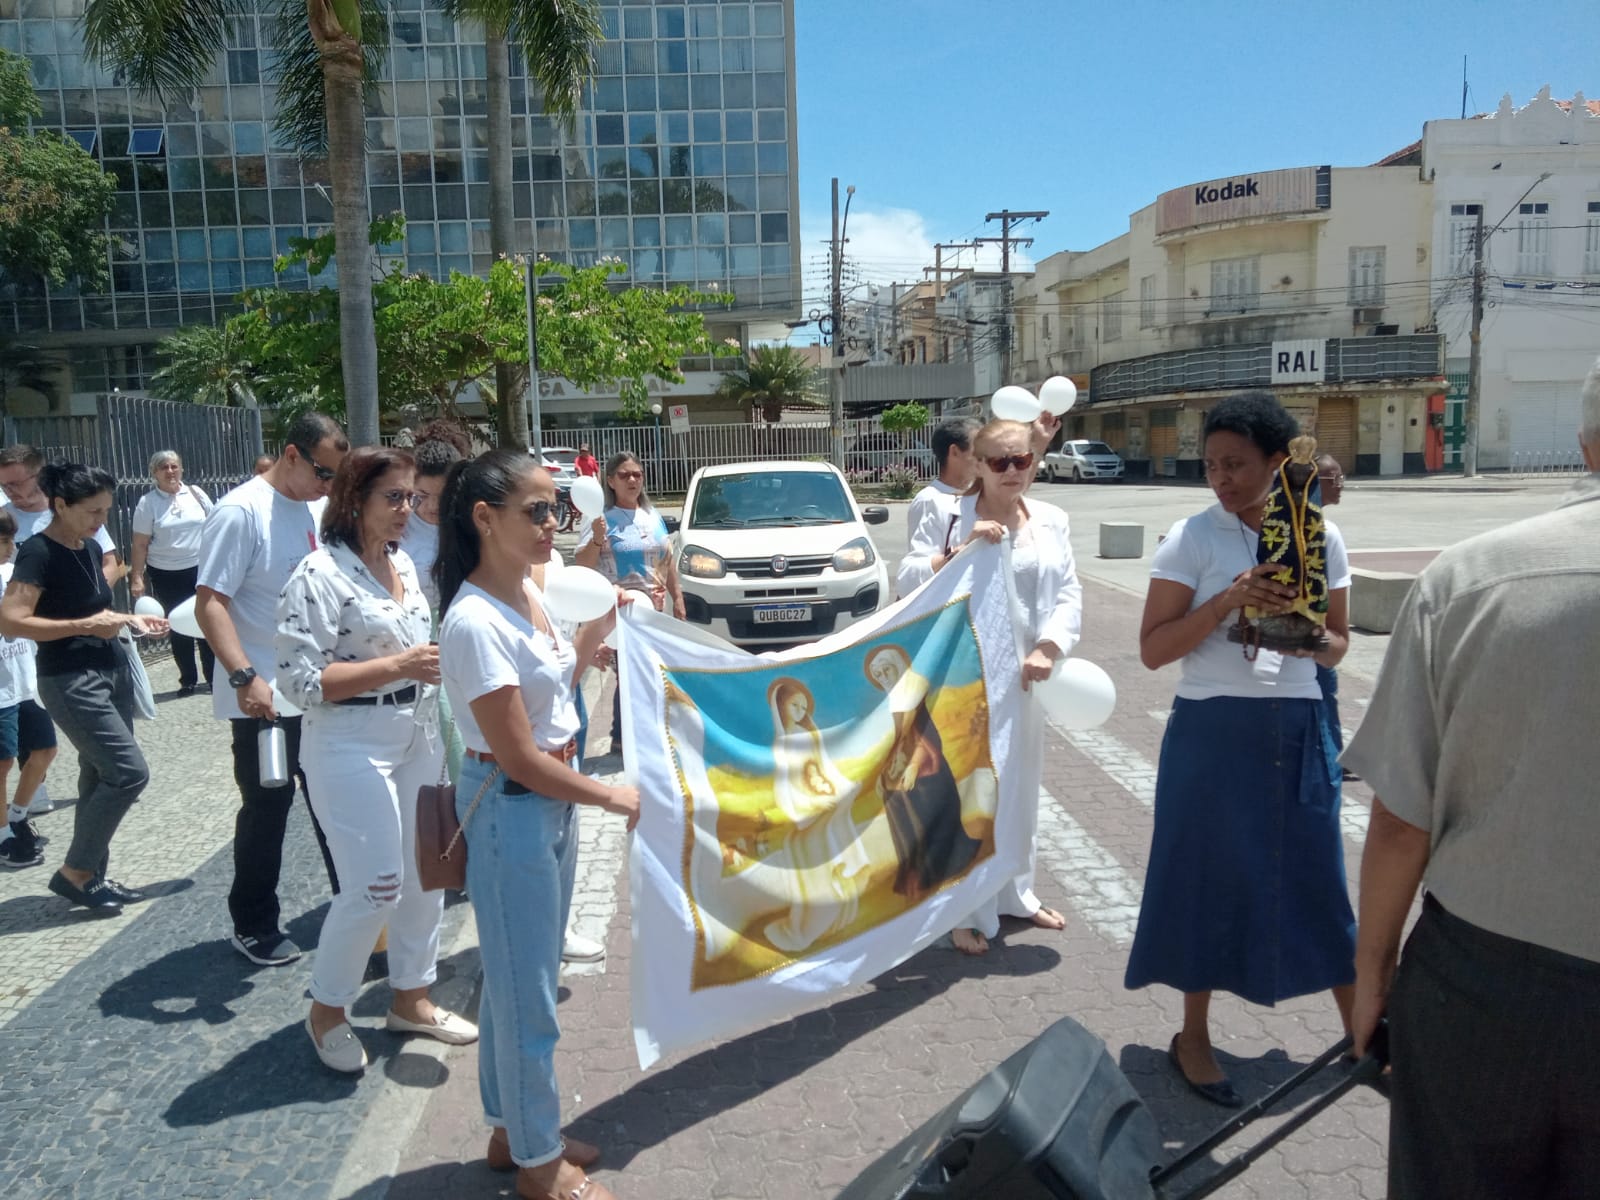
(1006, 462)
(538, 512)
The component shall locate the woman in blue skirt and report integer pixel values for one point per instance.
(1245, 890)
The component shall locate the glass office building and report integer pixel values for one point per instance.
(682, 164)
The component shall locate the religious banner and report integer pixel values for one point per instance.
(813, 817)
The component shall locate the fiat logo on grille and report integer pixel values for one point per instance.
(780, 564)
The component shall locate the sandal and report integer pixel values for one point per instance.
(969, 941)
(587, 1188)
(1045, 917)
(498, 1155)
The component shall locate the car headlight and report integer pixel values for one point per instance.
(852, 556)
(701, 564)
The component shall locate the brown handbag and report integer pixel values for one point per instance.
(441, 849)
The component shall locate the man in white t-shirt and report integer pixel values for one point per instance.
(19, 479)
(251, 544)
(952, 449)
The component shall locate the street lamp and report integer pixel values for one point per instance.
(655, 411)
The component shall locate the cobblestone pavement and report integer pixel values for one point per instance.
(146, 1059)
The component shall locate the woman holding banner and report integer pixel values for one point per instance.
(510, 673)
(1050, 620)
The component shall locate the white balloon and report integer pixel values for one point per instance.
(587, 496)
(148, 606)
(579, 594)
(1077, 695)
(1013, 403)
(1058, 394)
(182, 619)
(281, 705)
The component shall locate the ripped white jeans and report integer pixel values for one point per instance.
(364, 766)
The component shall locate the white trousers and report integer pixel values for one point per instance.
(1015, 897)
(364, 765)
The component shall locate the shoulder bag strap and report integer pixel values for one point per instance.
(950, 529)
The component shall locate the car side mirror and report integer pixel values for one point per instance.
(671, 523)
(875, 514)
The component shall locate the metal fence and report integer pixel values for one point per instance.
(218, 446)
(1547, 462)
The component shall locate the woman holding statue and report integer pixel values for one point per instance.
(1245, 890)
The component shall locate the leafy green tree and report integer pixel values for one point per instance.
(327, 57)
(903, 418)
(53, 197)
(775, 378)
(556, 38)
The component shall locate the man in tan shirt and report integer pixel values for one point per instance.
(1483, 745)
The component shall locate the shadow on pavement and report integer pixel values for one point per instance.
(455, 1181)
(665, 1103)
(28, 914)
(196, 983)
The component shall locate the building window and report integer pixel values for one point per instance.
(1111, 316)
(146, 143)
(1147, 302)
(1366, 275)
(1591, 240)
(1533, 238)
(1235, 284)
(1463, 230)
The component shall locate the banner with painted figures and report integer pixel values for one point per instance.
(812, 818)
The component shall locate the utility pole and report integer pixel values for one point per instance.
(1469, 446)
(938, 269)
(1007, 218)
(836, 323)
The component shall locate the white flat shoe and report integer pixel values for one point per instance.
(339, 1049)
(578, 949)
(445, 1026)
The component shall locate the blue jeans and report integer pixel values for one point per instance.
(522, 857)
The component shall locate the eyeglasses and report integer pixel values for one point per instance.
(1331, 478)
(1007, 462)
(630, 475)
(400, 499)
(323, 474)
(537, 513)
(20, 484)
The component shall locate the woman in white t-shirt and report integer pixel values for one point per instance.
(166, 548)
(510, 673)
(1245, 890)
(629, 544)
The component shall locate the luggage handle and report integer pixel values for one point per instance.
(1368, 1071)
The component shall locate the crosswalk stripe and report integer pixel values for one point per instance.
(1103, 893)
(1120, 761)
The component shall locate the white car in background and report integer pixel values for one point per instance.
(562, 462)
(776, 553)
(1080, 459)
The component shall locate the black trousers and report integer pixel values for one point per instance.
(1496, 1051)
(258, 830)
(172, 588)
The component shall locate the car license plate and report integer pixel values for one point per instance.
(782, 614)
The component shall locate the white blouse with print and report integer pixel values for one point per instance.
(333, 609)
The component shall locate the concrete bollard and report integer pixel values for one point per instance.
(1121, 539)
(1376, 597)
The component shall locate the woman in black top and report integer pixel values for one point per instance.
(59, 598)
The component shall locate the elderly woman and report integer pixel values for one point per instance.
(59, 598)
(354, 651)
(1051, 617)
(510, 673)
(1245, 891)
(166, 549)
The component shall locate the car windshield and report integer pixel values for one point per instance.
(1094, 448)
(770, 498)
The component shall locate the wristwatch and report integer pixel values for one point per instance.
(241, 677)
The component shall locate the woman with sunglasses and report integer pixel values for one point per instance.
(629, 544)
(354, 653)
(1050, 620)
(510, 673)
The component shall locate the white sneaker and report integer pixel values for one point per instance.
(578, 949)
(41, 802)
(339, 1049)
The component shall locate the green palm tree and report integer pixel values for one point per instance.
(206, 364)
(557, 41)
(328, 53)
(775, 378)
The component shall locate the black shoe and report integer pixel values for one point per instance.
(1221, 1092)
(271, 950)
(186, 689)
(122, 893)
(1349, 776)
(92, 895)
(22, 847)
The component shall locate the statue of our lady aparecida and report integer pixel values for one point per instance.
(1292, 537)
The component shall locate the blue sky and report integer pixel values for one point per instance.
(939, 111)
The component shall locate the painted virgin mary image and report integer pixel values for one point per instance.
(824, 849)
(920, 796)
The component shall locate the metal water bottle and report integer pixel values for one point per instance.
(272, 756)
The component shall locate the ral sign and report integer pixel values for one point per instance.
(1298, 361)
(678, 416)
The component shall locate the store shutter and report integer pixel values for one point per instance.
(1544, 425)
(1163, 442)
(1336, 430)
